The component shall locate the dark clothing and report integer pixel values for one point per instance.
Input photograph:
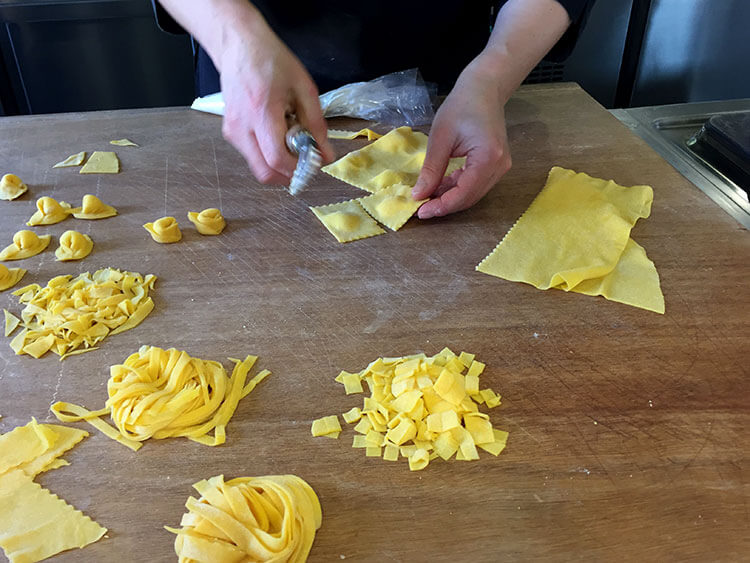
(340, 41)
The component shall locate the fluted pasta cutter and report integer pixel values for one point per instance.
(300, 142)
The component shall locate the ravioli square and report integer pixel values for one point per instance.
(101, 162)
(392, 206)
(395, 158)
(347, 221)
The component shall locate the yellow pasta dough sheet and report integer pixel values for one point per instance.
(575, 236)
(101, 162)
(395, 158)
(392, 206)
(36, 524)
(347, 221)
(270, 518)
(160, 394)
(349, 135)
(73, 160)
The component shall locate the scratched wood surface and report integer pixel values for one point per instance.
(628, 429)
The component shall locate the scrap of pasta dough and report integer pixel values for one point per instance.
(72, 315)
(167, 393)
(49, 212)
(93, 208)
(270, 518)
(73, 160)
(11, 187)
(101, 162)
(395, 158)
(392, 206)
(25, 244)
(36, 524)
(208, 222)
(74, 246)
(11, 322)
(123, 143)
(164, 230)
(421, 408)
(349, 135)
(10, 277)
(347, 221)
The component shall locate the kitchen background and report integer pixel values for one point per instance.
(81, 55)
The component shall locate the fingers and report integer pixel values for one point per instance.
(311, 117)
(270, 131)
(483, 170)
(243, 139)
(439, 148)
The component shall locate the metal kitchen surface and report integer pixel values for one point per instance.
(671, 130)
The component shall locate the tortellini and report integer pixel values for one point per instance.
(164, 230)
(208, 222)
(49, 212)
(11, 187)
(25, 244)
(74, 246)
(93, 208)
(10, 277)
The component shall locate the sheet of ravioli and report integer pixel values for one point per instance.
(36, 524)
(575, 236)
(347, 221)
(395, 158)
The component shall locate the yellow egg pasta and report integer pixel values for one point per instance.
(101, 162)
(123, 143)
(420, 407)
(71, 315)
(164, 230)
(10, 276)
(347, 221)
(392, 206)
(73, 160)
(208, 222)
(49, 212)
(11, 322)
(395, 158)
(349, 135)
(160, 394)
(74, 246)
(11, 187)
(25, 245)
(93, 208)
(260, 519)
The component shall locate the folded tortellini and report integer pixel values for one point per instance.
(10, 277)
(25, 244)
(74, 246)
(93, 208)
(49, 212)
(11, 187)
(164, 230)
(208, 222)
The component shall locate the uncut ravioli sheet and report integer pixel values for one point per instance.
(395, 158)
(575, 236)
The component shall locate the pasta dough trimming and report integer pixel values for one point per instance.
(101, 162)
(71, 315)
(349, 135)
(49, 212)
(160, 394)
(123, 143)
(271, 518)
(25, 245)
(164, 230)
(74, 246)
(11, 187)
(73, 160)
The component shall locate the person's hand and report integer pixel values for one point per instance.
(262, 81)
(470, 123)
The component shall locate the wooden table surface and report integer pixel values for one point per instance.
(628, 429)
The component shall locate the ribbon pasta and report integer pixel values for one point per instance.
(160, 394)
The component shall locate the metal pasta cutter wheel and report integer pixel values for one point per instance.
(301, 143)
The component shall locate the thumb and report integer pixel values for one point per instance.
(439, 148)
(311, 116)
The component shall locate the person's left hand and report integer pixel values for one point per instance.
(470, 123)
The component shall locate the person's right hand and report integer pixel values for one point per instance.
(262, 81)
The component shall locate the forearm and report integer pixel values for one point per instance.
(218, 25)
(525, 30)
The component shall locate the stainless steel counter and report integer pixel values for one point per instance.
(667, 129)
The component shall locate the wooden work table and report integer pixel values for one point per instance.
(628, 429)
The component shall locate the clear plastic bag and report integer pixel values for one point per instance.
(399, 98)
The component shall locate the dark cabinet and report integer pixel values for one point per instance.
(89, 55)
